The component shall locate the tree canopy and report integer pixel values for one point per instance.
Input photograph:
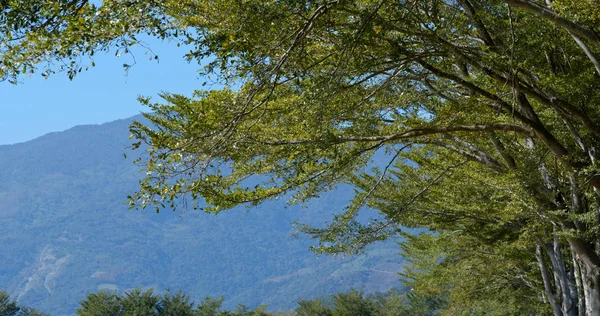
(10, 307)
(352, 303)
(147, 303)
(481, 115)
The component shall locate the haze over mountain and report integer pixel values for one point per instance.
(66, 231)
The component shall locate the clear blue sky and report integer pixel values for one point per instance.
(104, 93)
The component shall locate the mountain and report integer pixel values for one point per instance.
(66, 232)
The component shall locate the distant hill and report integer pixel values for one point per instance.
(66, 232)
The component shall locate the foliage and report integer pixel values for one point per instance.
(101, 303)
(65, 219)
(381, 304)
(485, 109)
(210, 306)
(411, 303)
(470, 277)
(313, 308)
(57, 35)
(9, 307)
(146, 303)
(175, 305)
(353, 303)
(139, 302)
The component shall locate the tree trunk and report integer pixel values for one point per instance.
(547, 282)
(590, 289)
(561, 277)
(589, 266)
(580, 288)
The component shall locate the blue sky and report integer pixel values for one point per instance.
(104, 93)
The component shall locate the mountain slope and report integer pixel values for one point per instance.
(67, 232)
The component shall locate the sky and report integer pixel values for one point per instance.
(105, 93)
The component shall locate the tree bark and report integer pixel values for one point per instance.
(562, 279)
(588, 52)
(581, 303)
(550, 15)
(590, 274)
(547, 282)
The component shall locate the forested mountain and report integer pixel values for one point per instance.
(66, 231)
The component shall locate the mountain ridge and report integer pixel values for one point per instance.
(68, 232)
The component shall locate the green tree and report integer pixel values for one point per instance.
(29, 311)
(410, 303)
(103, 303)
(459, 276)
(485, 111)
(394, 304)
(354, 303)
(52, 35)
(8, 307)
(313, 308)
(210, 306)
(139, 303)
(175, 305)
(243, 310)
(134, 303)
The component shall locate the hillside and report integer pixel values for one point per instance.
(67, 232)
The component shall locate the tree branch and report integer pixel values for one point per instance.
(411, 133)
(481, 29)
(480, 154)
(588, 52)
(540, 131)
(510, 161)
(556, 19)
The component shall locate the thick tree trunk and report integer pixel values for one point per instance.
(580, 288)
(589, 266)
(590, 289)
(571, 290)
(547, 282)
(562, 282)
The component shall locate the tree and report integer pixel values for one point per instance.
(137, 302)
(313, 307)
(409, 303)
(462, 277)
(29, 311)
(103, 303)
(354, 303)
(54, 35)
(210, 306)
(483, 109)
(9, 307)
(175, 305)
